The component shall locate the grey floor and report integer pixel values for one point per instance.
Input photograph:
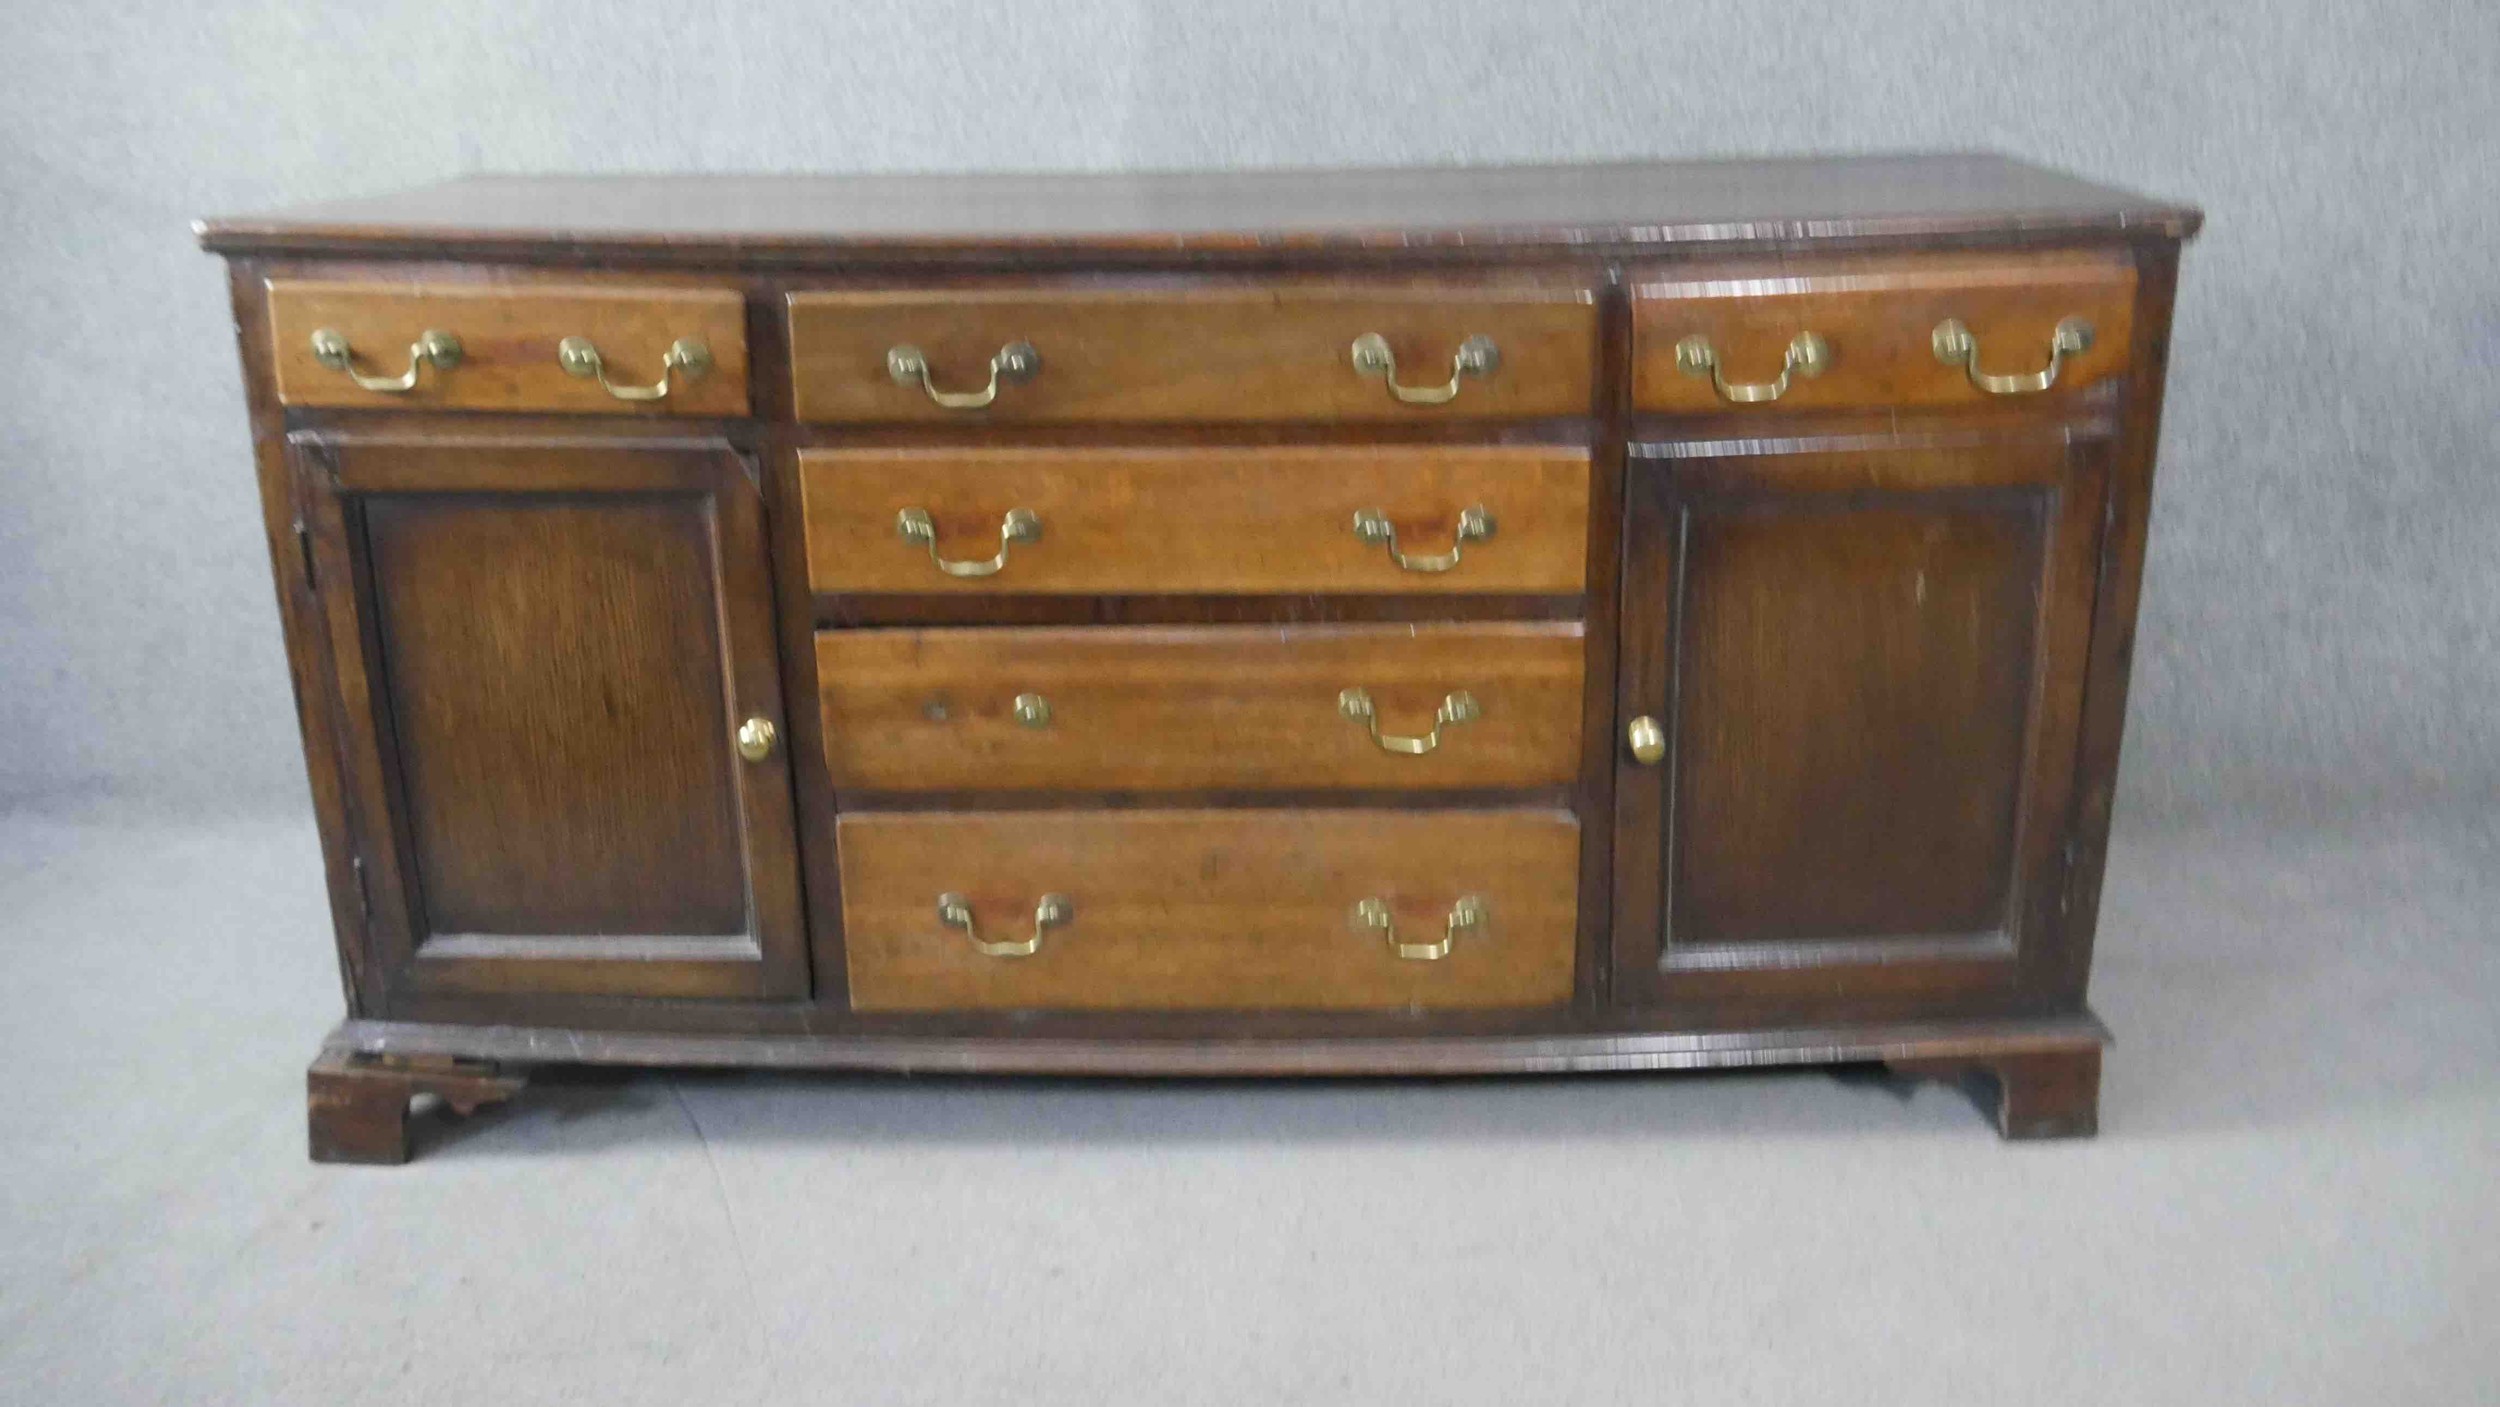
(2294, 1198)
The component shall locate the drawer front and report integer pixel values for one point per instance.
(1874, 333)
(1232, 520)
(508, 348)
(1239, 910)
(1202, 355)
(1141, 709)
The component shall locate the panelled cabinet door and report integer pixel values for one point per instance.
(1849, 693)
(562, 713)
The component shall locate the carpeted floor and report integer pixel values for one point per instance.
(2294, 1199)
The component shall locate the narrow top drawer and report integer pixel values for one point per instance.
(1913, 331)
(1206, 354)
(591, 351)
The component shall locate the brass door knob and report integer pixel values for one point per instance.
(755, 739)
(1648, 740)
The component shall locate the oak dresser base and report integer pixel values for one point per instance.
(2045, 1073)
(1529, 620)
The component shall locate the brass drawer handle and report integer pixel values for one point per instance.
(1020, 525)
(1467, 915)
(955, 911)
(1808, 356)
(329, 347)
(1474, 525)
(1477, 356)
(1956, 347)
(579, 357)
(1456, 708)
(1015, 362)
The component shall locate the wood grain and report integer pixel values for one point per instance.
(508, 338)
(1882, 834)
(1406, 214)
(1877, 316)
(2121, 584)
(1143, 709)
(553, 646)
(1357, 1045)
(1208, 909)
(1868, 662)
(1200, 519)
(1197, 353)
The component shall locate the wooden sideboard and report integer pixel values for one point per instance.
(1282, 623)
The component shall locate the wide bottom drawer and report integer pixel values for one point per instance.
(1200, 910)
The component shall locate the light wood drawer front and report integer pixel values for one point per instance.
(1142, 709)
(1877, 321)
(1247, 354)
(1229, 520)
(1242, 910)
(508, 340)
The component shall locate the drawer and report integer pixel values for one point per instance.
(1231, 520)
(1241, 910)
(1875, 333)
(1142, 709)
(1232, 354)
(669, 351)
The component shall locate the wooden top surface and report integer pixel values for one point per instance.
(1644, 203)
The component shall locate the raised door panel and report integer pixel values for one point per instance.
(1865, 665)
(547, 654)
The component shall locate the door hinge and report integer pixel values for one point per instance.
(364, 890)
(304, 548)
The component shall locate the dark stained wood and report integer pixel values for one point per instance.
(1866, 662)
(1877, 318)
(2053, 1093)
(765, 219)
(555, 645)
(1262, 608)
(1882, 834)
(1143, 709)
(1202, 519)
(1183, 910)
(2104, 716)
(284, 515)
(1207, 352)
(1595, 802)
(357, 1105)
(1587, 1046)
(1851, 706)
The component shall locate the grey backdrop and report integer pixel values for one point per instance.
(2322, 601)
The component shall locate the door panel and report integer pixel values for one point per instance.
(1866, 666)
(1850, 724)
(546, 654)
